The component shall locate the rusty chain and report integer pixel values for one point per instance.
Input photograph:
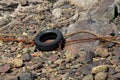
(68, 42)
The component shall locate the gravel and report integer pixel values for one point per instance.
(93, 60)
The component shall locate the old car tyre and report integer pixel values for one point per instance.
(47, 35)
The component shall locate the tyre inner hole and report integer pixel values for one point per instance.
(48, 38)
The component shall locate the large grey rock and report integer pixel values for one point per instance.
(98, 27)
(105, 11)
(117, 4)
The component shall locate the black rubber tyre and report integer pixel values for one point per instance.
(49, 34)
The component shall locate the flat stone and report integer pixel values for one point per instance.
(85, 69)
(55, 78)
(101, 62)
(35, 66)
(5, 68)
(86, 57)
(88, 77)
(26, 76)
(100, 68)
(53, 58)
(76, 66)
(84, 4)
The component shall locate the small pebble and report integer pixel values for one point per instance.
(13, 48)
(26, 76)
(59, 61)
(26, 57)
(86, 69)
(117, 69)
(62, 71)
(101, 76)
(25, 50)
(102, 52)
(57, 13)
(5, 68)
(76, 66)
(86, 57)
(88, 77)
(24, 2)
(17, 62)
(19, 55)
(69, 56)
(53, 58)
(35, 66)
(51, 70)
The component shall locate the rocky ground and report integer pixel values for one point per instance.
(93, 60)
